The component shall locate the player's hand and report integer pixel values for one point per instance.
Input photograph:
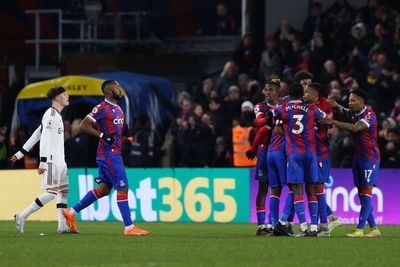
(108, 138)
(250, 154)
(42, 167)
(326, 121)
(17, 156)
(332, 103)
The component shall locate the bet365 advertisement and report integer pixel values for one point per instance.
(171, 195)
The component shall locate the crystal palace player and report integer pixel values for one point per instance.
(363, 124)
(109, 121)
(260, 143)
(313, 94)
(298, 122)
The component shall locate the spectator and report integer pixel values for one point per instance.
(3, 148)
(225, 24)
(391, 150)
(246, 56)
(329, 72)
(228, 77)
(203, 95)
(271, 59)
(313, 23)
(77, 146)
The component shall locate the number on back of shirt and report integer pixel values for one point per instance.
(299, 124)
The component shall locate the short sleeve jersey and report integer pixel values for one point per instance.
(109, 119)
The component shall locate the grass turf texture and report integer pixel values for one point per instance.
(189, 244)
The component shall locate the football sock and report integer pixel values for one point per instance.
(288, 207)
(366, 207)
(371, 218)
(39, 202)
(62, 198)
(313, 209)
(329, 211)
(122, 201)
(322, 205)
(299, 208)
(87, 200)
(292, 213)
(274, 209)
(261, 215)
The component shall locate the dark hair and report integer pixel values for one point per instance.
(275, 81)
(302, 75)
(360, 93)
(105, 84)
(394, 130)
(318, 87)
(296, 91)
(55, 91)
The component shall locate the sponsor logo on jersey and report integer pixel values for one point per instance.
(118, 120)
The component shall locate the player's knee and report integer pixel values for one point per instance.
(276, 191)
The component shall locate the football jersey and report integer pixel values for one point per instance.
(298, 120)
(277, 139)
(322, 131)
(52, 137)
(109, 119)
(262, 109)
(366, 146)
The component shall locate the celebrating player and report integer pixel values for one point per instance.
(313, 94)
(52, 161)
(298, 122)
(260, 143)
(363, 124)
(106, 122)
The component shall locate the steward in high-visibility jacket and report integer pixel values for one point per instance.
(242, 137)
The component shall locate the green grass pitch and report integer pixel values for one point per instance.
(190, 244)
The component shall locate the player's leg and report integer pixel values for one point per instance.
(261, 176)
(312, 207)
(38, 203)
(274, 180)
(300, 208)
(274, 203)
(365, 176)
(93, 195)
(62, 199)
(260, 207)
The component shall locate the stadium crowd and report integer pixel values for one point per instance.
(344, 48)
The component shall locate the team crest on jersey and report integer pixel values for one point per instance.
(94, 110)
(256, 109)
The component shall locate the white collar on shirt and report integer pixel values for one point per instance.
(362, 111)
(110, 102)
(295, 101)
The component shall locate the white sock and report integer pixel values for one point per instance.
(282, 222)
(62, 198)
(269, 226)
(73, 212)
(39, 202)
(314, 227)
(129, 227)
(303, 227)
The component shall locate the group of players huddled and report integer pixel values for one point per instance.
(292, 149)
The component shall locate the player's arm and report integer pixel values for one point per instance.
(339, 112)
(35, 137)
(352, 127)
(88, 126)
(45, 137)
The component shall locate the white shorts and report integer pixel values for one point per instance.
(55, 176)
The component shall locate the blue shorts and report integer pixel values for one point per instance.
(324, 168)
(261, 167)
(276, 162)
(302, 168)
(365, 172)
(112, 171)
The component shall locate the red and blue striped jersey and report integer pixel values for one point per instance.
(366, 145)
(277, 139)
(322, 131)
(299, 120)
(261, 112)
(109, 119)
